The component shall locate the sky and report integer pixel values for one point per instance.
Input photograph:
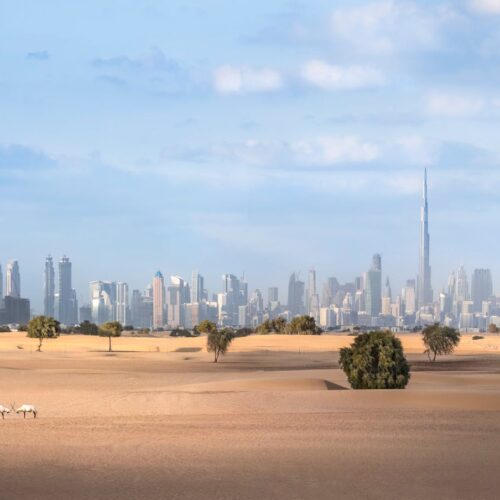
(247, 137)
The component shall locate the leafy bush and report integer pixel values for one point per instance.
(87, 328)
(439, 340)
(4, 329)
(277, 325)
(303, 325)
(181, 332)
(477, 337)
(375, 360)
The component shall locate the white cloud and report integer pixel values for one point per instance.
(327, 76)
(244, 79)
(486, 6)
(390, 26)
(330, 150)
(453, 105)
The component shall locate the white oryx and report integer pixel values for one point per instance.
(25, 409)
(3, 411)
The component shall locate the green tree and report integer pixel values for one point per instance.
(206, 327)
(43, 327)
(492, 328)
(88, 328)
(218, 341)
(375, 360)
(110, 329)
(303, 325)
(439, 340)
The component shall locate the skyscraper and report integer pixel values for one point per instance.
(197, 287)
(68, 306)
(295, 296)
(49, 288)
(424, 288)
(482, 287)
(158, 301)
(461, 286)
(175, 299)
(102, 301)
(1, 285)
(13, 288)
(122, 309)
(373, 287)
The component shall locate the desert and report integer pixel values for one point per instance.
(275, 418)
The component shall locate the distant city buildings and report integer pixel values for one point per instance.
(466, 302)
(13, 308)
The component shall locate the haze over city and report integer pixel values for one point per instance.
(254, 145)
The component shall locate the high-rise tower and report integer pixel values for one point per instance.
(13, 288)
(49, 288)
(424, 288)
(158, 301)
(68, 304)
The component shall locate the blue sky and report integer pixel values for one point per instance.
(256, 137)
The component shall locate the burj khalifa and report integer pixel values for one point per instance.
(424, 270)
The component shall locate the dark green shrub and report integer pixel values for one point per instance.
(375, 360)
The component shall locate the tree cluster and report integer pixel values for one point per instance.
(301, 325)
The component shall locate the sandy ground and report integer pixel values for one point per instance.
(275, 419)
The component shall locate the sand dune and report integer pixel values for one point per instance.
(158, 419)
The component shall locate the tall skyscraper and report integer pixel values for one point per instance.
(158, 301)
(197, 287)
(410, 297)
(295, 296)
(176, 297)
(49, 288)
(461, 286)
(68, 306)
(122, 311)
(13, 276)
(236, 292)
(373, 287)
(482, 287)
(424, 288)
(1, 285)
(102, 301)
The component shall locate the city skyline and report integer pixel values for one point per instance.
(180, 303)
(372, 276)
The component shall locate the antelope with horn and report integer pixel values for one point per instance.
(25, 409)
